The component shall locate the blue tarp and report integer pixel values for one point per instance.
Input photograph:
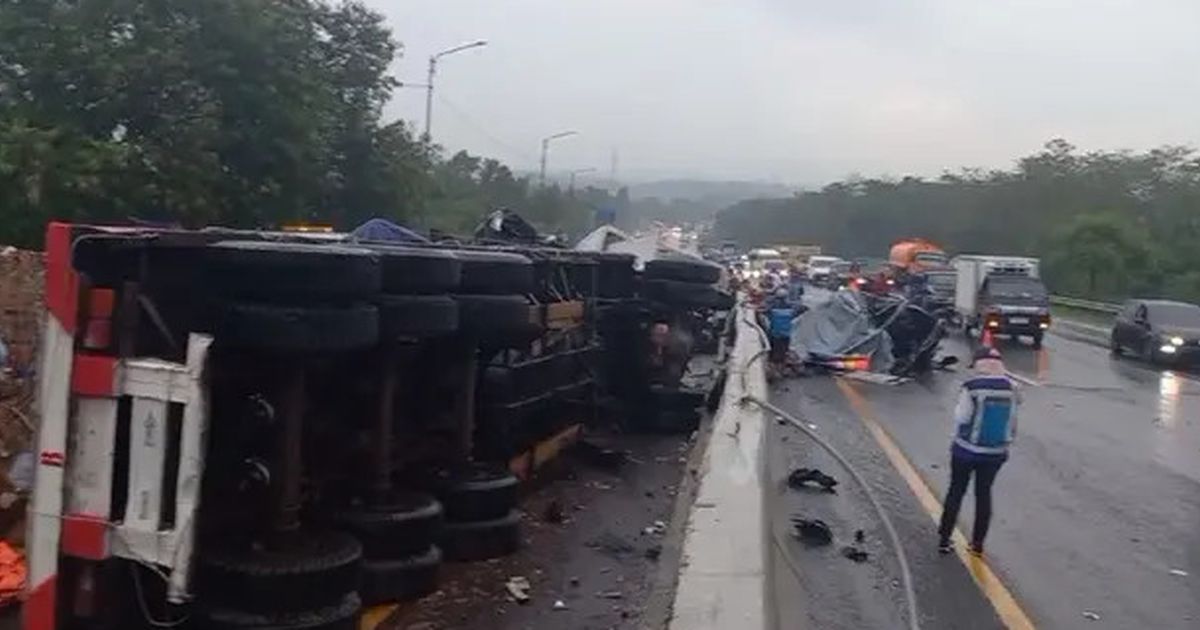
(384, 230)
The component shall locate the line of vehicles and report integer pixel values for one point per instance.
(1001, 294)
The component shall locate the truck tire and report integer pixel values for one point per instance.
(482, 540)
(401, 527)
(1114, 346)
(400, 579)
(494, 273)
(693, 271)
(342, 615)
(318, 569)
(687, 294)
(478, 492)
(408, 270)
(497, 318)
(1037, 340)
(416, 316)
(262, 269)
(298, 329)
(666, 399)
(615, 277)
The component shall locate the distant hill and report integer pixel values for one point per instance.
(728, 192)
(694, 201)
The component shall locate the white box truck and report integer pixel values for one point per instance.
(1002, 294)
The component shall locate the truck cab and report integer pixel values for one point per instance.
(1003, 295)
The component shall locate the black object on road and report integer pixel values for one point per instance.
(801, 477)
(857, 554)
(814, 532)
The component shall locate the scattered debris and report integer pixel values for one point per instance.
(859, 536)
(553, 513)
(601, 457)
(559, 605)
(518, 589)
(802, 476)
(610, 594)
(658, 527)
(1092, 616)
(1179, 572)
(855, 553)
(653, 552)
(611, 545)
(813, 532)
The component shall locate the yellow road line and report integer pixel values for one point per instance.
(1010, 612)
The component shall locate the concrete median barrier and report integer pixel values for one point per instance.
(721, 580)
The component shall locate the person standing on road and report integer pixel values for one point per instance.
(780, 314)
(985, 424)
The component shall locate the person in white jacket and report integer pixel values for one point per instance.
(985, 425)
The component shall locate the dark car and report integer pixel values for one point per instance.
(1159, 331)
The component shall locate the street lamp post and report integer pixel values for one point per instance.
(545, 148)
(433, 59)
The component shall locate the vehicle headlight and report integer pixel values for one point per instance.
(1176, 341)
(1167, 349)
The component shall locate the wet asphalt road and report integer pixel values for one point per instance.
(1098, 505)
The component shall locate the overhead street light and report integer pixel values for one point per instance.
(433, 59)
(545, 148)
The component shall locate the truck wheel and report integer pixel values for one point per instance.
(1114, 346)
(416, 316)
(297, 328)
(616, 274)
(477, 493)
(268, 269)
(687, 294)
(342, 615)
(497, 318)
(318, 569)
(671, 399)
(482, 540)
(402, 579)
(400, 527)
(408, 270)
(1037, 340)
(694, 271)
(494, 273)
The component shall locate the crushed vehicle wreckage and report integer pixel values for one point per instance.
(884, 334)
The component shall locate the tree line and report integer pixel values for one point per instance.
(244, 113)
(1106, 224)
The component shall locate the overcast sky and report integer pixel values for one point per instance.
(799, 91)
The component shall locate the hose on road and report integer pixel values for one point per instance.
(910, 596)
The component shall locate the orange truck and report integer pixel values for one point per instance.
(914, 255)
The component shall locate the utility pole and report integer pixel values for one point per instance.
(433, 59)
(546, 149)
(612, 171)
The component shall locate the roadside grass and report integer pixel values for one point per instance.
(1082, 316)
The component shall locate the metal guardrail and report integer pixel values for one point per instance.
(1085, 305)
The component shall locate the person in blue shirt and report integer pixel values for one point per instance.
(985, 425)
(780, 314)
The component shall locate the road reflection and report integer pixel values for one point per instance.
(1168, 400)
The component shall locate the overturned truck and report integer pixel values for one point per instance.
(262, 429)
